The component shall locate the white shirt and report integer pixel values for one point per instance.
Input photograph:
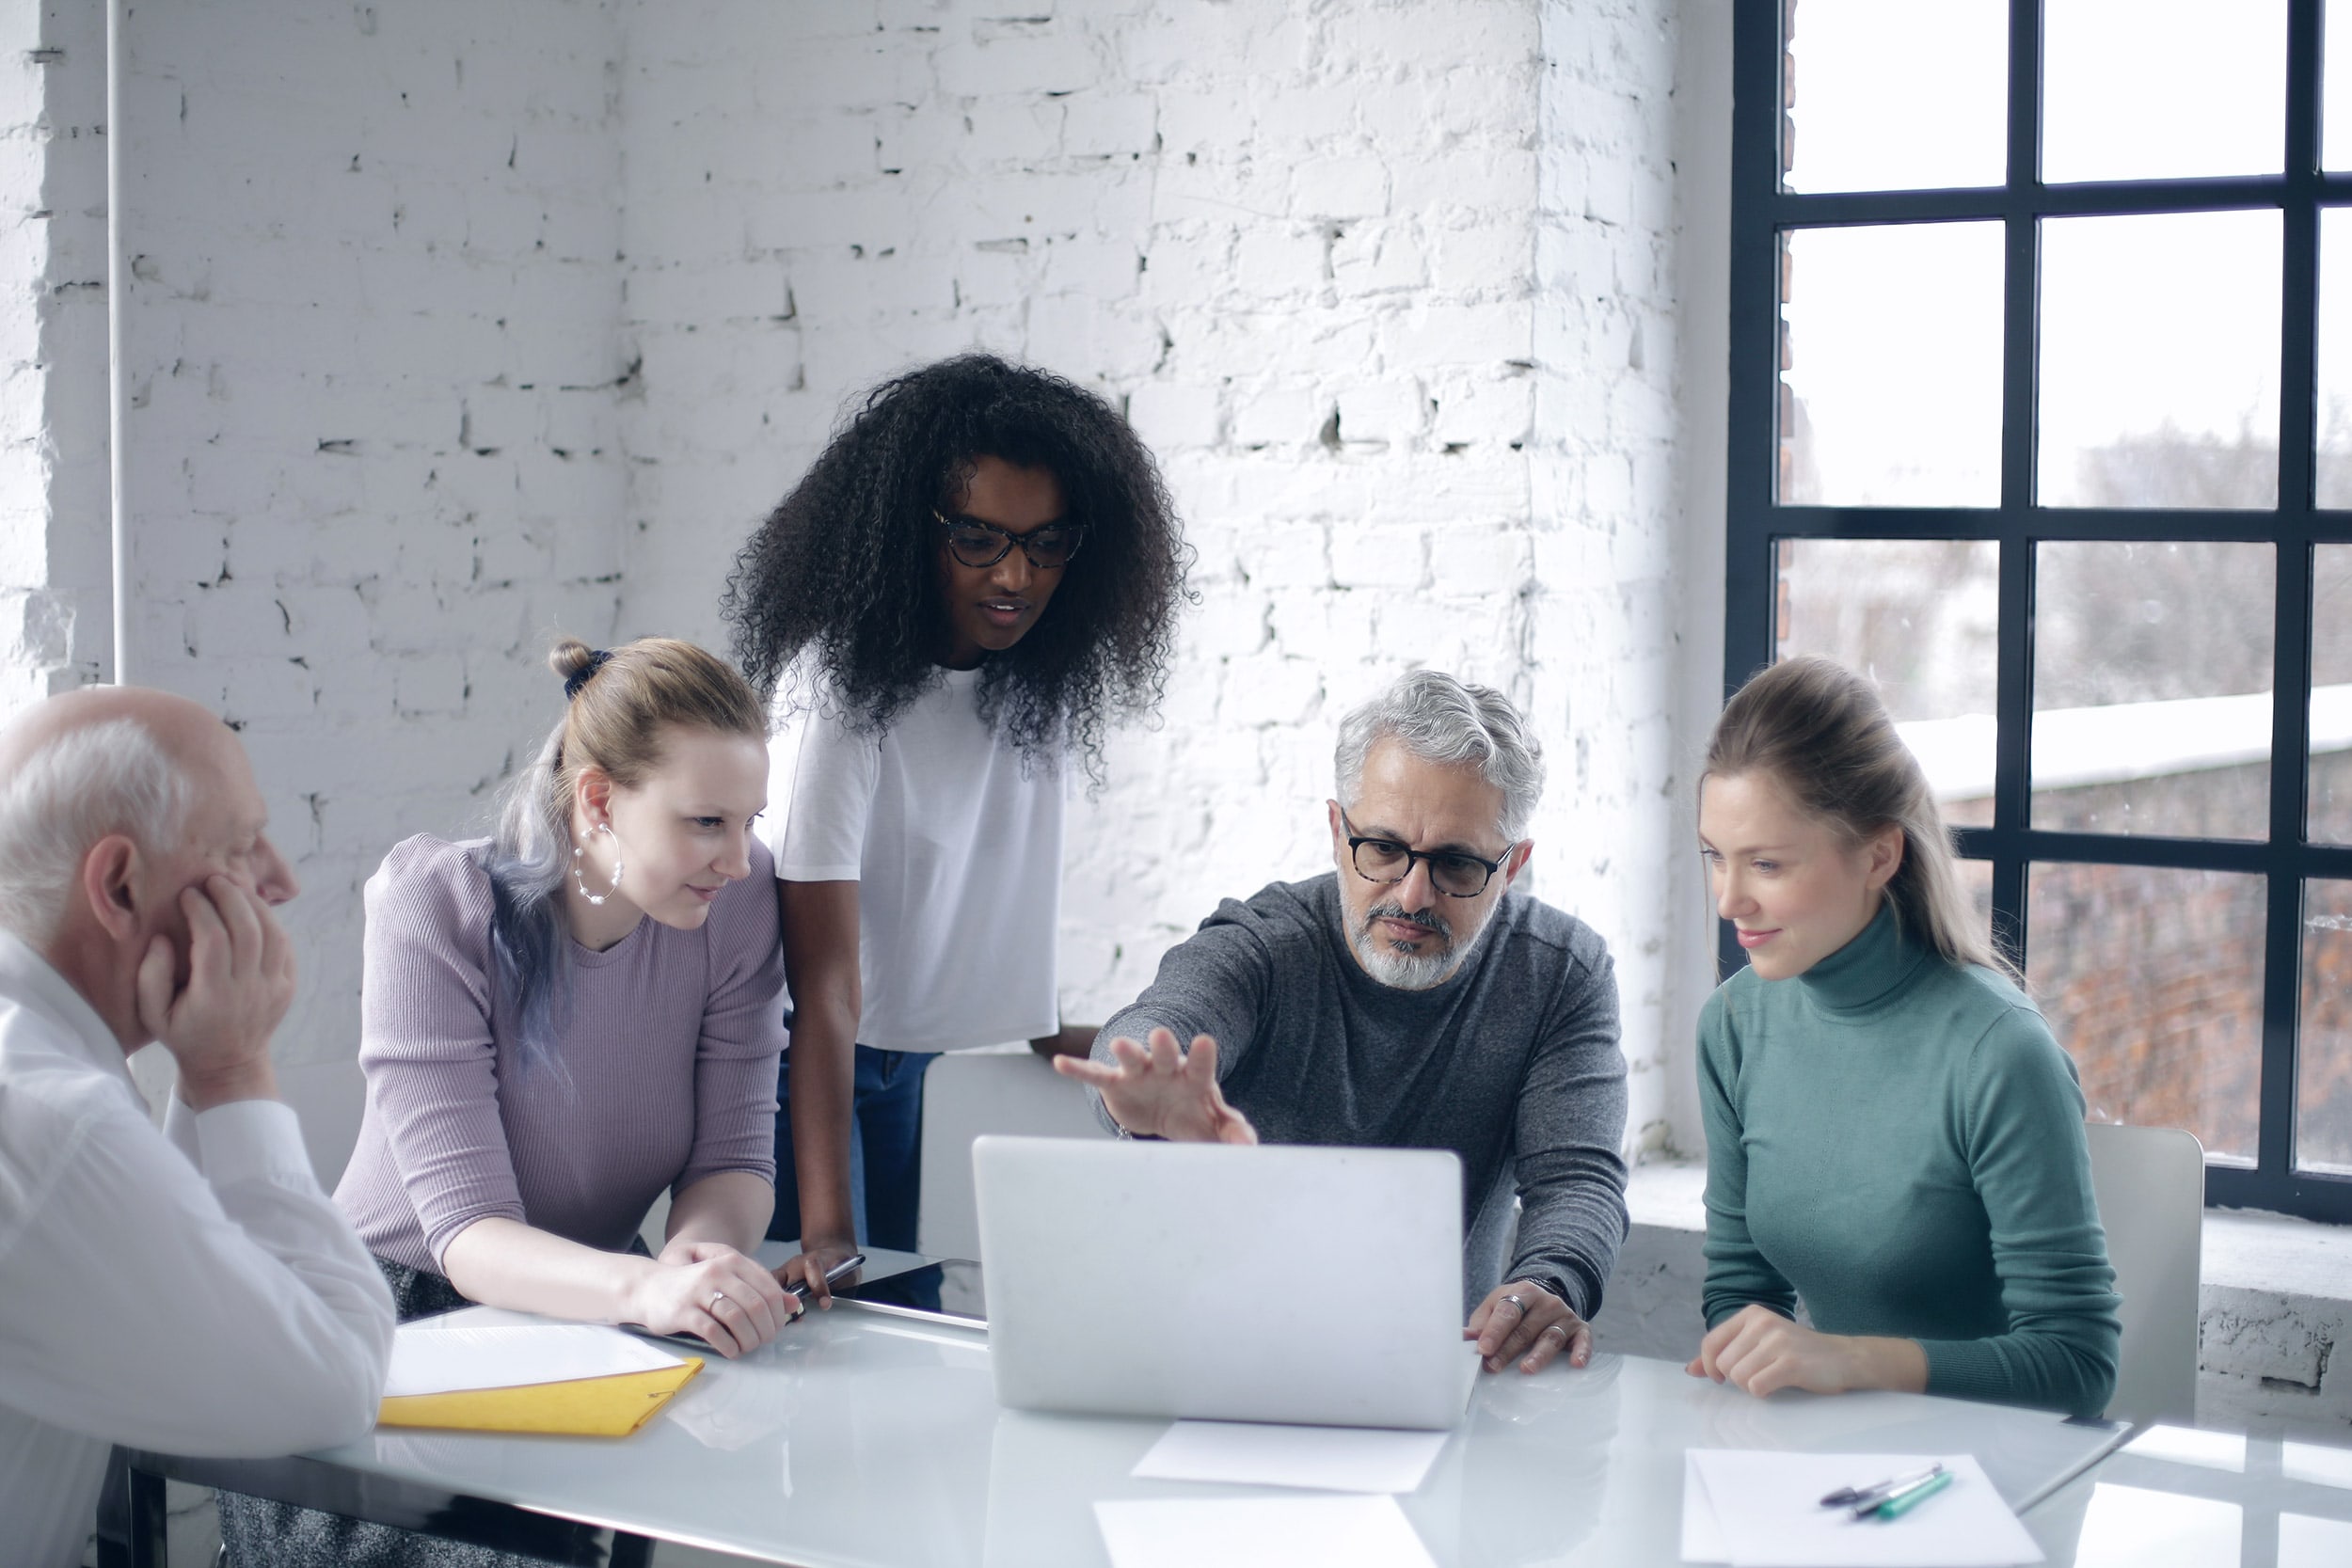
(189, 1291)
(956, 846)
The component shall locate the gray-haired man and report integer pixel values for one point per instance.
(1408, 999)
(189, 1290)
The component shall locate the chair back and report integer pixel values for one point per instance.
(2150, 1187)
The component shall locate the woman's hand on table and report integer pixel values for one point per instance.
(807, 1268)
(1759, 1351)
(1521, 1320)
(710, 1290)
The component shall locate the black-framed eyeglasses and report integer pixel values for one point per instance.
(1451, 872)
(977, 544)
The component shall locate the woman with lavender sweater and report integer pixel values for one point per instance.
(560, 1022)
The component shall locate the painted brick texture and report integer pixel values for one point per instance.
(448, 328)
(1315, 255)
(372, 458)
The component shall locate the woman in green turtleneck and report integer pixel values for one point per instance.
(1892, 1134)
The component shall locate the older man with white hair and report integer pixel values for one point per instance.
(1408, 998)
(189, 1290)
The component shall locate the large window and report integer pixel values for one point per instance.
(2042, 416)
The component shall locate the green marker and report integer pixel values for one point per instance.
(1903, 1502)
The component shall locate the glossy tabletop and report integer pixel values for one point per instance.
(857, 1439)
(2177, 1498)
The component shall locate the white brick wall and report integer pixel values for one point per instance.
(374, 347)
(54, 613)
(1390, 288)
(454, 326)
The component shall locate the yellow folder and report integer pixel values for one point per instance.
(584, 1407)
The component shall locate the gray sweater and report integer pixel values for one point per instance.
(1512, 1062)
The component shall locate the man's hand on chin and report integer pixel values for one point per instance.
(241, 981)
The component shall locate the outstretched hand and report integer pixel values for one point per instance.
(1161, 1092)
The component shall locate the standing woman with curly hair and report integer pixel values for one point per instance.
(978, 575)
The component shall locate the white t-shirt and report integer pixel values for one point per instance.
(957, 846)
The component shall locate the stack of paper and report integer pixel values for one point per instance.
(1364, 1531)
(1257, 1453)
(572, 1378)
(1763, 1510)
(1261, 1533)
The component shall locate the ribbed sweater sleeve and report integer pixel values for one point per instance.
(2023, 1114)
(742, 1034)
(1569, 1120)
(1737, 1273)
(1215, 983)
(426, 1044)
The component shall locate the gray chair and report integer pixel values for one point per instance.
(2150, 1187)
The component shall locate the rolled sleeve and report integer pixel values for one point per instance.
(821, 779)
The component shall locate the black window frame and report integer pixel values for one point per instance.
(1755, 522)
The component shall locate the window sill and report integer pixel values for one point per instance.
(2245, 1249)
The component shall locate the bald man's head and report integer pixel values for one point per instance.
(124, 762)
(183, 730)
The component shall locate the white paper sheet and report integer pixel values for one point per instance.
(1762, 1510)
(428, 1358)
(1256, 1454)
(1261, 1533)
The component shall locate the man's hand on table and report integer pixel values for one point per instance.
(1162, 1092)
(1521, 1320)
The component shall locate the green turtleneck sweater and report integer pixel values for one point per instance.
(1898, 1140)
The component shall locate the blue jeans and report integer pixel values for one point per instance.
(885, 1149)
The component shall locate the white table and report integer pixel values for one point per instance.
(861, 1441)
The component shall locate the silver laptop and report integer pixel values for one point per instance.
(1247, 1284)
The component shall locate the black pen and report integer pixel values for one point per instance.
(1854, 1496)
(797, 1290)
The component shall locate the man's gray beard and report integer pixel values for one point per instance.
(1403, 970)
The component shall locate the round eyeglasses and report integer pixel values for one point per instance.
(977, 544)
(1455, 873)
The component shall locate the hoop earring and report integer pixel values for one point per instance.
(579, 854)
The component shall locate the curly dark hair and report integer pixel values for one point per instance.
(846, 567)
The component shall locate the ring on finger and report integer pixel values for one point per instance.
(1561, 1329)
(717, 1298)
(1514, 1300)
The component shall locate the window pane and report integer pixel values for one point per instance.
(2152, 978)
(2332, 468)
(1922, 619)
(2162, 90)
(1888, 97)
(1976, 878)
(2323, 1079)
(2331, 820)
(2152, 688)
(1891, 366)
(2159, 370)
(2335, 87)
